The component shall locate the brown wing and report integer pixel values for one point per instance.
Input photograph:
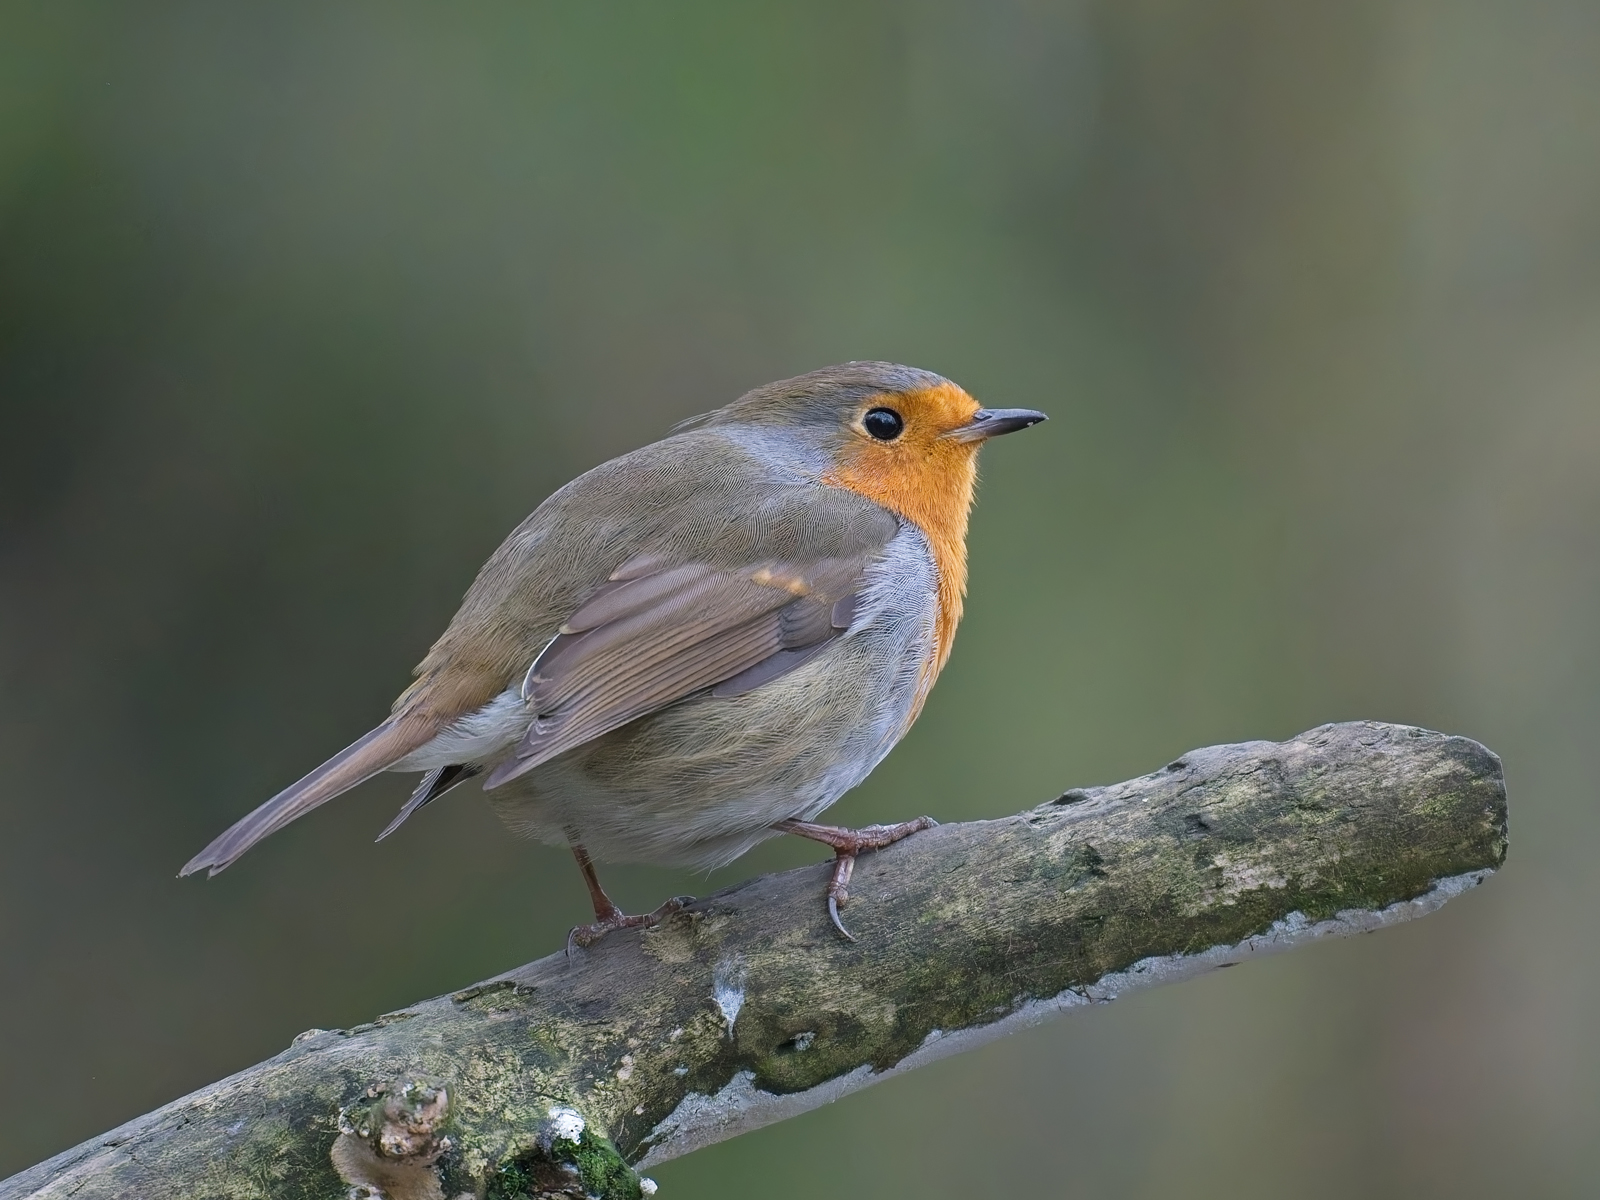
(650, 637)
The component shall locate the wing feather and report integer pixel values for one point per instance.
(638, 645)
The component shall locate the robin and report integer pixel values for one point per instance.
(700, 644)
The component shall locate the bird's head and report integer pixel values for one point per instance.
(904, 438)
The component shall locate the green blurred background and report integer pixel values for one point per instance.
(303, 306)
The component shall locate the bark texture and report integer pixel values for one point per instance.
(558, 1078)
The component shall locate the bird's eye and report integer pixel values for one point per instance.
(883, 423)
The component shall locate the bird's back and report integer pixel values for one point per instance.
(687, 498)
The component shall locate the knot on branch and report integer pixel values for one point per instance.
(390, 1139)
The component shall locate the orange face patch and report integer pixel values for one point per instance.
(926, 478)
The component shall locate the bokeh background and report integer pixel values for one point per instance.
(303, 306)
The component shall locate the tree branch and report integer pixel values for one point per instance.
(748, 1008)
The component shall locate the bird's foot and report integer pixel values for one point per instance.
(846, 844)
(584, 936)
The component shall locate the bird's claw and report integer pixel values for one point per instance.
(846, 844)
(584, 936)
(839, 890)
(833, 913)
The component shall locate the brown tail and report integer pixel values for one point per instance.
(355, 764)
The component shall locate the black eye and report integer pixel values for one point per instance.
(883, 423)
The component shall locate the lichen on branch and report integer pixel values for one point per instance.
(562, 1077)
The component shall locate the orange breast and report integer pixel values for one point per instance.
(929, 480)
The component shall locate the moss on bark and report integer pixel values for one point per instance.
(561, 1073)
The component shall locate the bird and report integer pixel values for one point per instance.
(702, 643)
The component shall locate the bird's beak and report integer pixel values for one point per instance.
(992, 422)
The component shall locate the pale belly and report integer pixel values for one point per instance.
(702, 781)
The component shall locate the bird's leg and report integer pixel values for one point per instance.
(846, 844)
(607, 916)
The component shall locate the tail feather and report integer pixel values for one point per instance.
(434, 784)
(355, 764)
